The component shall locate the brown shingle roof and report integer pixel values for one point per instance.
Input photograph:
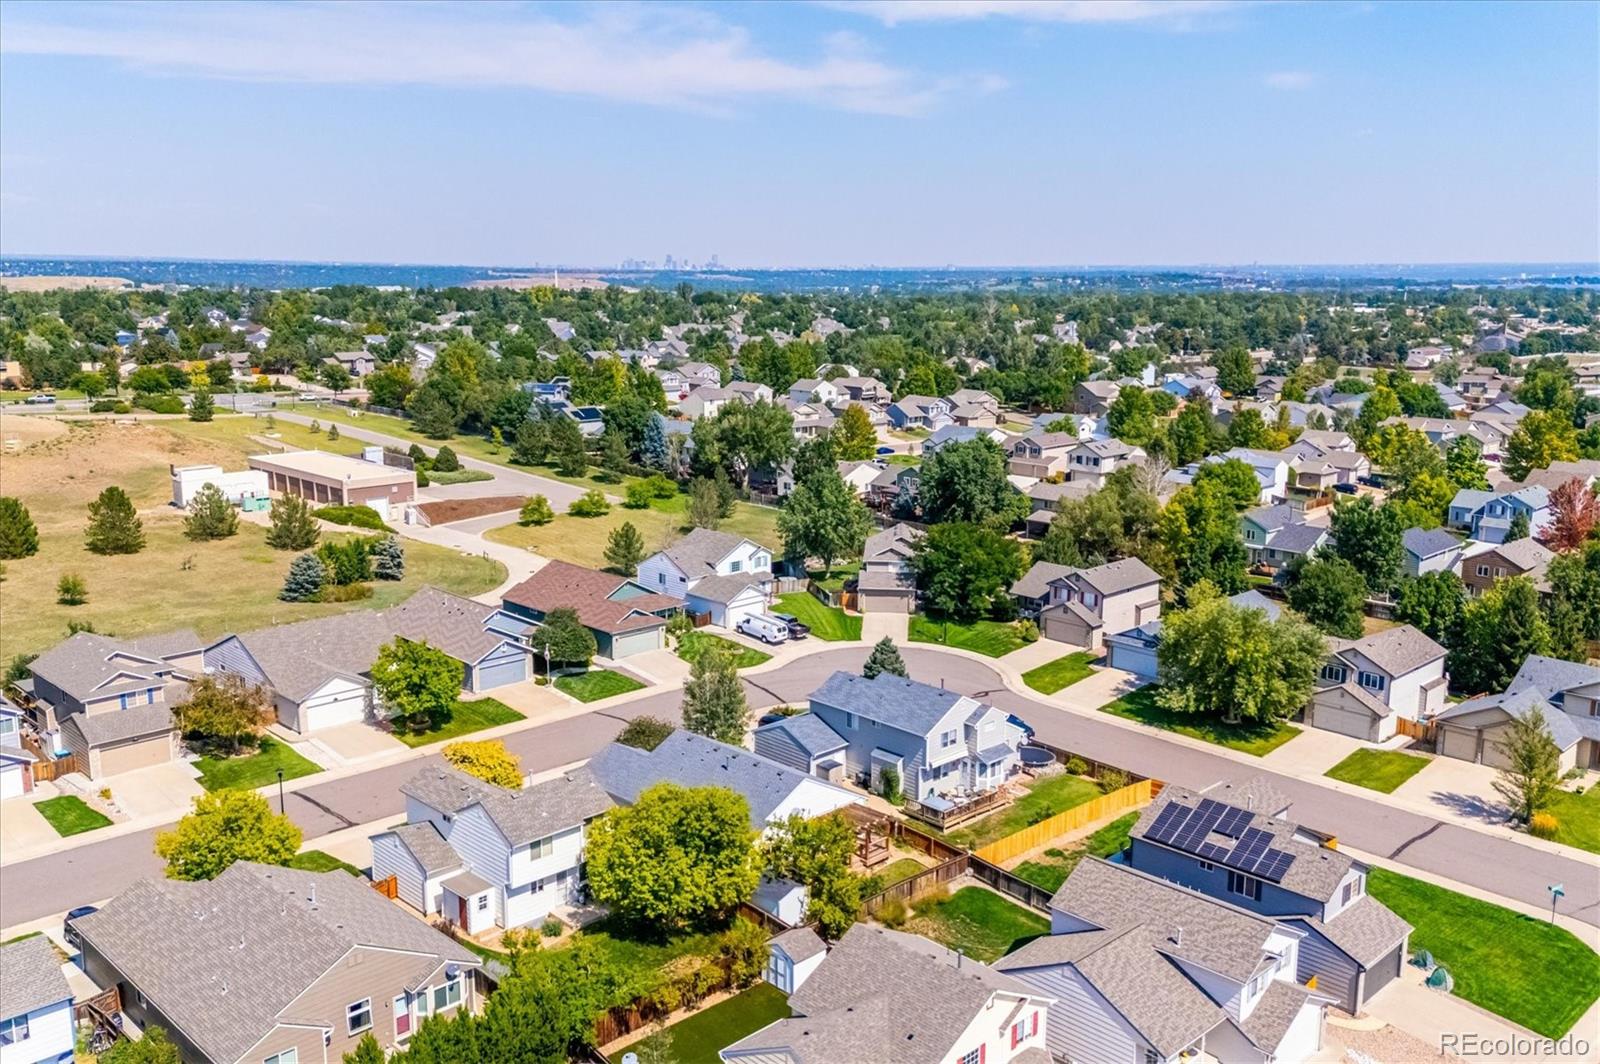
(562, 585)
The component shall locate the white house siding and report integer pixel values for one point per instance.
(1336, 973)
(1085, 1027)
(746, 603)
(1219, 988)
(1304, 1037)
(339, 701)
(814, 798)
(659, 574)
(390, 858)
(1227, 1043)
(483, 849)
(50, 1036)
(567, 853)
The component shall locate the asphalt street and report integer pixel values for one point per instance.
(88, 873)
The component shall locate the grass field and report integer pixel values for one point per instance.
(255, 770)
(1141, 706)
(1378, 770)
(700, 1036)
(1579, 817)
(826, 622)
(71, 815)
(582, 540)
(994, 638)
(1063, 672)
(1525, 969)
(1045, 798)
(899, 870)
(227, 585)
(466, 718)
(596, 684)
(693, 645)
(1051, 868)
(317, 861)
(979, 923)
(834, 579)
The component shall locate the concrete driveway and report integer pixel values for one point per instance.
(22, 827)
(1088, 695)
(158, 791)
(344, 744)
(1456, 790)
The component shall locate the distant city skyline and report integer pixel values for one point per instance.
(887, 135)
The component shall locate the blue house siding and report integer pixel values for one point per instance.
(776, 746)
(507, 664)
(1181, 868)
(869, 735)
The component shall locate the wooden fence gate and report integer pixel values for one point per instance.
(389, 887)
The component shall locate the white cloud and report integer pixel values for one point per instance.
(895, 12)
(640, 54)
(1289, 80)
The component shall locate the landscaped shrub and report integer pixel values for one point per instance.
(1027, 631)
(661, 486)
(345, 593)
(536, 511)
(349, 562)
(892, 913)
(422, 477)
(445, 461)
(638, 495)
(160, 404)
(389, 559)
(354, 516)
(307, 575)
(889, 783)
(71, 590)
(1543, 826)
(103, 406)
(551, 928)
(1077, 766)
(1112, 779)
(590, 504)
(460, 476)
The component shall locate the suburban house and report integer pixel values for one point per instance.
(298, 965)
(809, 418)
(920, 412)
(859, 475)
(109, 701)
(625, 617)
(36, 1021)
(1482, 569)
(1138, 650)
(1083, 606)
(937, 741)
(1480, 387)
(319, 670)
(962, 434)
(1430, 551)
(708, 401)
(1322, 473)
(974, 408)
(726, 576)
(859, 389)
(16, 763)
(1042, 454)
(882, 995)
(483, 856)
(356, 363)
(1367, 685)
(1566, 693)
(1276, 535)
(1235, 843)
(338, 480)
(1270, 467)
(1487, 515)
(1032, 589)
(814, 390)
(1047, 497)
(1094, 398)
(885, 583)
(1092, 461)
(894, 482)
(1149, 970)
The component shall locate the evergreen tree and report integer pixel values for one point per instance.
(1497, 632)
(653, 446)
(114, 525)
(705, 509)
(306, 577)
(333, 431)
(566, 448)
(201, 408)
(531, 444)
(445, 461)
(713, 699)
(625, 549)
(211, 515)
(614, 456)
(1518, 528)
(292, 526)
(367, 1051)
(885, 657)
(388, 559)
(19, 537)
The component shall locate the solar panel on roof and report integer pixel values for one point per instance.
(1274, 865)
(1234, 821)
(1208, 804)
(1250, 849)
(1162, 830)
(1212, 852)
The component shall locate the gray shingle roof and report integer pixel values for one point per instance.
(897, 540)
(1255, 600)
(1425, 543)
(1121, 575)
(800, 944)
(33, 977)
(265, 933)
(725, 589)
(429, 848)
(1035, 583)
(298, 658)
(809, 733)
(1529, 555)
(893, 700)
(1273, 518)
(99, 729)
(1299, 538)
(1366, 930)
(698, 553)
(1269, 1021)
(1395, 650)
(1550, 675)
(80, 665)
(691, 760)
(523, 816)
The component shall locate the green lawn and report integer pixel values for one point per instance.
(630, 949)
(834, 579)
(1051, 868)
(254, 770)
(1049, 678)
(1579, 817)
(582, 540)
(596, 684)
(979, 923)
(71, 815)
(467, 717)
(899, 870)
(317, 861)
(697, 1038)
(692, 645)
(1045, 798)
(1259, 740)
(994, 638)
(1378, 770)
(826, 622)
(1525, 969)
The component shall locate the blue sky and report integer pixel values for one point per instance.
(920, 133)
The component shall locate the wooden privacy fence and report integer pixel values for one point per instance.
(1036, 835)
(389, 887)
(920, 883)
(1422, 731)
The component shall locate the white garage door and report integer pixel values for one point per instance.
(346, 707)
(11, 780)
(1459, 742)
(1141, 661)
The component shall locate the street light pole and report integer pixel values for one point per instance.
(280, 792)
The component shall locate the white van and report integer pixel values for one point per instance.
(761, 626)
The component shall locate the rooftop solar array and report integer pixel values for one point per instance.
(1189, 828)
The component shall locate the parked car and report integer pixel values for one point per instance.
(798, 629)
(1346, 489)
(36, 399)
(885, 450)
(69, 932)
(763, 627)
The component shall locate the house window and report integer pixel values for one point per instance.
(974, 1057)
(1499, 570)
(358, 1015)
(447, 996)
(1372, 681)
(947, 739)
(288, 1056)
(13, 1031)
(1151, 1057)
(483, 903)
(1334, 673)
(541, 848)
(850, 720)
(661, 578)
(1207, 866)
(402, 1018)
(1483, 570)
(735, 566)
(1244, 886)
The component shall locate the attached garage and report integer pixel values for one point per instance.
(1345, 710)
(342, 700)
(120, 740)
(506, 664)
(1474, 730)
(1136, 650)
(1071, 623)
(1384, 972)
(885, 591)
(726, 606)
(626, 644)
(125, 757)
(16, 772)
(1458, 742)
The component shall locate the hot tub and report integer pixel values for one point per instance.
(1035, 756)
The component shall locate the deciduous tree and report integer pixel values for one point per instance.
(1199, 529)
(854, 438)
(1328, 592)
(1541, 437)
(1532, 765)
(816, 852)
(536, 511)
(966, 570)
(227, 826)
(823, 518)
(1432, 604)
(966, 481)
(487, 759)
(564, 640)
(1498, 630)
(1574, 513)
(1369, 537)
(224, 713)
(713, 699)
(418, 684)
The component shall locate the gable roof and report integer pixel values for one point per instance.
(898, 539)
(808, 732)
(81, 665)
(524, 815)
(1125, 574)
(135, 722)
(1396, 650)
(300, 657)
(423, 841)
(697, 554)
(1529, 555)
(893, 700)
(449, 622)
(559, 585)
(1426, 543)
(1035, 583)
(1272, 518)
(266, 935)
(33, 977)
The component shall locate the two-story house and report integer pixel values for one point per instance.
(1270, 467)
(955, 433)
(893, 484)
(1084, 606)
(109, 701)
(1368, 684)
(484, 856)
(885, 583)
(920, 412)
(882, 995)
(1565, 693)
(936, 741)
(1047, 498)
(700, 373)
(814, 390)
(1276, 535)
(973, 407)
(16, 763)
(1149, 970)
(1094, 398)
(859, 389)
(1481, 569)
(1042, 454)
(1235, 844)
(727, 576)
(624, 616)
(273, 964)
(1431, 550)
(1487, 515)
(1092, 461)
(36, 1021)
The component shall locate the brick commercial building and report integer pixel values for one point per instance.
(334, 479)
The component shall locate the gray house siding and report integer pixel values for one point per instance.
(1337, 975)
(1181, 868)
(231, 656)
(506, 664)
(778, 747)
(64, 703)
(389, 857)
(1083, 1027)
(481, 846)
(143, 1011)
(869, 735)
